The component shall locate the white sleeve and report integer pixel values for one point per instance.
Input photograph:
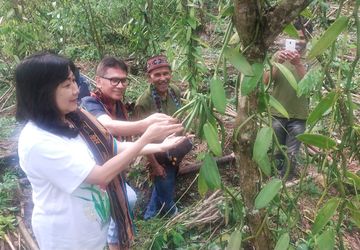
(63, 164)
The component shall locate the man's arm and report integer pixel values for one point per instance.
(295, 59)
(128, 128)
(122, 128)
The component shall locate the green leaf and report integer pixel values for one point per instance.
(313, 78)
(261, 146)
(277, 105)
(192, 22)
(235, 240)
(228, 11)
(235, 39)
(263, 100)
(354, 211)
(353, 179)
(317, 140)
(209, 170)
(177, 238)
(249, 83)
(288, 75)
(307, 13)
(158, 242)
(239, 61)
(188, 34)
(264, 164)
(267, 193)
(325, 214)
(212, 139)
(291, 31)
(202, 187)
(324, 105)
(355, 217)
(218, 97)
(283, 242)
(326, 241)
(329, 36)
(262, 142)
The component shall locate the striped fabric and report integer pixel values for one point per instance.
(101, 144)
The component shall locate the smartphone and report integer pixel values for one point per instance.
(290, 44)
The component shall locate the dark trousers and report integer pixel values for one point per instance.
(162, 195)
(286, 131)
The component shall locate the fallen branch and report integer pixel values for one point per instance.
(6, 93)
(8, 98)
(195, 167)
(8, 240)
(26, 235)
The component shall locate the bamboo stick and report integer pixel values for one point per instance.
(26, 235)
(8, 240)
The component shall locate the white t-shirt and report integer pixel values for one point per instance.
(68, 213)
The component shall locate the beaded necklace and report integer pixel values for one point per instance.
(157, 99)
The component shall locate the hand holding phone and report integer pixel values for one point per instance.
(290, 44)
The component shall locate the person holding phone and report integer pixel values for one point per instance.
(297, 107)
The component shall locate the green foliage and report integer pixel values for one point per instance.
(329, 36)
(326, 241)
(267, 193)
(262, 144)
(218, 97)
(209, 174)
(317, 140)
(249, 83)
(7, 223)
(8, 186)
(239, 61)
(323, 106)
(277, 106)
(288, 75)
(311, 81)
(212, 139)
(235, 240)
(7, 124)
(283, 242)
(324, 214)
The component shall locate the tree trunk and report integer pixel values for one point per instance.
(257, 28)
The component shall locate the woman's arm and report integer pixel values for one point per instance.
(102, 175)
(152, 148)
(129, 128)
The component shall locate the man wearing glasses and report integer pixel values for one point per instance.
(106, 104)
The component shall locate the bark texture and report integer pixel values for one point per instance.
(257, 26)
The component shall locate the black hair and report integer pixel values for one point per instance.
(110, 62)
(303, 24)
(37, 78)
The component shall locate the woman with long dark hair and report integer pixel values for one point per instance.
(69, 158)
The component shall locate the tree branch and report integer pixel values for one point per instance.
(280, 16)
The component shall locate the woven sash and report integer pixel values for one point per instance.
(101, 144)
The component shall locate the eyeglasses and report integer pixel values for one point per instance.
(114, 81)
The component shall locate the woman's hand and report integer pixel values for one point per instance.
(158, 117)
(160, 130)
(171, 142)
